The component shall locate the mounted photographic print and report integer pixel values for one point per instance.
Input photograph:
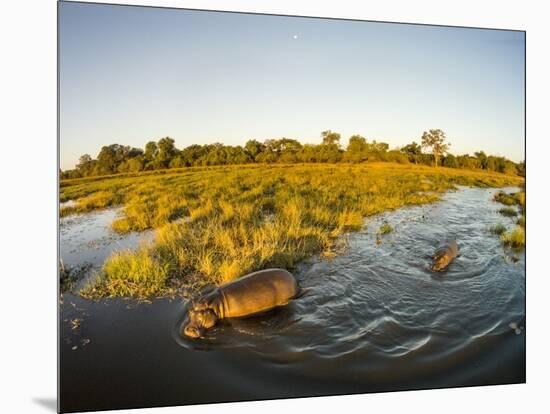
(260, 206)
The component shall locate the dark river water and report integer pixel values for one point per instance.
(373, 319)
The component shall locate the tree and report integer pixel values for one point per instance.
(328, 153)
(520, 169)
(482, 158)
(135, 164)
(308, 153)
(163, 154)
(450, 161)
(356, 150)
(133, 152)
(491, 163)
(330, 137)
(509, 167)
(110, 157)
(435, 139)
(151, 151)
(84, 160)
(236, 155)
(278, 146)
(396, 156)
(376, 151)
(266, 157)
(166, 151)
(85, 166)
(413, 151)
(467, 161)
(253, 148)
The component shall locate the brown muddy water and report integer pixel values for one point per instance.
(373, 319)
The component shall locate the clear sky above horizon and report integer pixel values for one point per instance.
(129, 75)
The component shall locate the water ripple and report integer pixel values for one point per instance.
(381, 299)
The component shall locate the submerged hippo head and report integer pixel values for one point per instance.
(441, 261)
(198, 321)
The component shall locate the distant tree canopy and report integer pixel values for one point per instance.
(163, 154)
(435, 140)
(413, 150)
(330, 137)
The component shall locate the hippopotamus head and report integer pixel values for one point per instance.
(441, 261)
(197, 321)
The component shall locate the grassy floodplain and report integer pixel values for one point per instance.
(218, 223)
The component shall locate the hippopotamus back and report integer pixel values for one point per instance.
(450, 247)
(257, 292)
(252, 294)
(444, 255)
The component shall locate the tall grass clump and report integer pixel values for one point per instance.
(506, 199)
(498, 229)
(130, 273)
(385, 228)
(514, 238)
(508, 212)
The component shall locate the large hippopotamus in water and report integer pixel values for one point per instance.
(444, 255)
(251, 294)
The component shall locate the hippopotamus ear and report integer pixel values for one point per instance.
(204, 300)
(196, 305)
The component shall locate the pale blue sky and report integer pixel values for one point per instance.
(129, 75)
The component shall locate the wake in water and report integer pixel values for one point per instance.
(382, 300)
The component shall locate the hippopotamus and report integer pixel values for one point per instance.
(249, 295)
(444, 255)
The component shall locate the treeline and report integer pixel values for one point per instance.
(163, 154)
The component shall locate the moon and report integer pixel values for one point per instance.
(295, 37)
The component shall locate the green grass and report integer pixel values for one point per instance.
(516, 237)
(508, 212)
(498, 229)
(385, 229)
(216, 224)
(131, 273)
(507, 199)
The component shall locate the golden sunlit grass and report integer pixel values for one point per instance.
(516, 237)
(506, 199)
(217, 224)
(130, 273)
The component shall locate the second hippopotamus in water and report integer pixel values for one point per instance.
(444, 255)
(251, 294)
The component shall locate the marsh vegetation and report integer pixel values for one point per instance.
(215, 224)
(514, 238)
